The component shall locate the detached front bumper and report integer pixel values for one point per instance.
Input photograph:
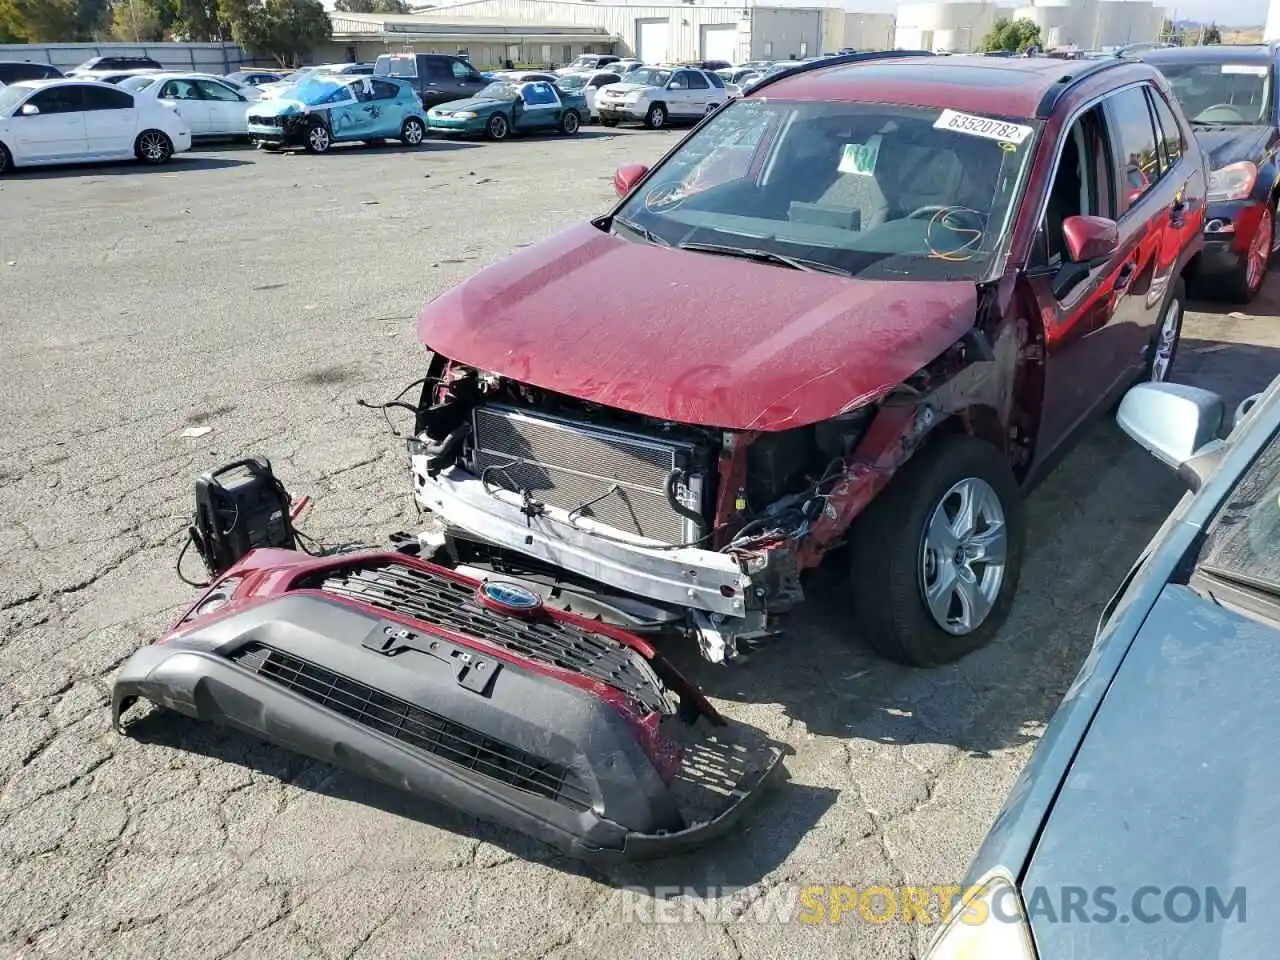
(291, 132)
(1229, 229)
(358, 662)
(703, 580)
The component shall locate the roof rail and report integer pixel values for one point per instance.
(840, 61)
(1085, 70)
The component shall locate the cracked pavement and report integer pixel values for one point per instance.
(261, 296)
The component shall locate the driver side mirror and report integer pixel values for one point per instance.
(1177, 424)
(1090, 239)
(627, 176)
(30, 110)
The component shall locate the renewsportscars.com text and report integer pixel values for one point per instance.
(816, 904)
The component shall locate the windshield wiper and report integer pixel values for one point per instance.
(766, 256)
(640, 231)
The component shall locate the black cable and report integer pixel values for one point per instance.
(191, 536)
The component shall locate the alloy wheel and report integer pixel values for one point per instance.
(412, 132)
(153, 147)
(657, 117)
(318, 138)
(498, 127)
(963, 555)
(1166, 340)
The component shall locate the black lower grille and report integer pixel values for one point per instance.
(266, 121)
(416, 727)
(434, 599)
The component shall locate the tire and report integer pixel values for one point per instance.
(1164, 343)
(6, 160)
(1248, 279)
(413, 132)
(656, 118)
(498, 127)
(570, 122)
(153, 147)
(608, 123)
(319, 140)
(890, 555)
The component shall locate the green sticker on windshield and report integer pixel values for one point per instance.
(860, 158)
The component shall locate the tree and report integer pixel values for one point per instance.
(285, 29)
(373, 6)
(136, 21)
(51, 21)
(1012, 35)
(1211, 34)
(198, 21)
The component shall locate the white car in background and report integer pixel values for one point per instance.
(73, 121)
(655, 95)
(588, 63)
(589, 84)
(211, 106)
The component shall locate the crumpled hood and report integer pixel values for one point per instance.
(693, 337)
(277, 107)
(470, 103)
(1228, 144)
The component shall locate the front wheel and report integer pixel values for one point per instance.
(153, 147)
(319, 139)
(1248, 278)
(656, 118)
(498, 128)
(570, 122)
(935, 559)
(413, 132)
(6, 161)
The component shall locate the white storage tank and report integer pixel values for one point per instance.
(1272, 29)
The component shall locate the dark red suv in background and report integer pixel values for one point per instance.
(869, 304)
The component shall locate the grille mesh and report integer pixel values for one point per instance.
(409, 591)
(615, 478)
(418, 728)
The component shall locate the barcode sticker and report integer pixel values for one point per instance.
(987, 127)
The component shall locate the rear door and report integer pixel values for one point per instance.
(110, 119)
(227, 109)
(184, 96)
(56, 131)
(437, 81)
(386, 109)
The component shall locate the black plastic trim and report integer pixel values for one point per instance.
(1077, 74)
(823, 63)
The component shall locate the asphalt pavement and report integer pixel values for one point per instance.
(157, 322)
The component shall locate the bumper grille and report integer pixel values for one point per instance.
(266, 121)
(409, 591)
(613, 477)
(418, 728)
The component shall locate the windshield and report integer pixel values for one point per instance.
(872, 190)
(1221, 93)
(11, 96)
(571, 83)
(315, 90)
(649, 77)
(1242, 543)
(396, 66)
(583, 63)
(135, 84)
(500, 91)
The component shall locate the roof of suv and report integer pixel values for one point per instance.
(1013, 87)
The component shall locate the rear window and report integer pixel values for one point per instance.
(14, 72)
(391, 66)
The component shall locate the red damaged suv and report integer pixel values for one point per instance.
(868, 305)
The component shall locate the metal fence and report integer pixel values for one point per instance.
(196, 57)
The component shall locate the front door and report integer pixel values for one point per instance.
(55, 130)
(437, 81)
(679, 97)
(539, 106)
(467, 80)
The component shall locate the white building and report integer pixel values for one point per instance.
(1272, 29)
(843, 29)
(954, 26)
(545, 32)
(1090, 24)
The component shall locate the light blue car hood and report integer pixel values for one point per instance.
(1176, 784)
(278, 107)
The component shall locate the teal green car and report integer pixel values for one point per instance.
(504, 108)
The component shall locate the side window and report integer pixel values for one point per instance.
(680, 81)
(438, 70)
(1134, 137)
(212, 90)
(340, 94)
(179, 90)
(1171, 140)
(57, 100)
(96, 98)
(697, 80)
(385, 91)
(1083, 184)
(538, 94)
(604, 78)
(716, 80)
(462, 71)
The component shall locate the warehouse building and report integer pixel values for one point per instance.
(1091, 24)
(547, 32)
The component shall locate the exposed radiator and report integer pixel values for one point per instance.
(612, 476)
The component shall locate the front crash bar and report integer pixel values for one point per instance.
(684, 577)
